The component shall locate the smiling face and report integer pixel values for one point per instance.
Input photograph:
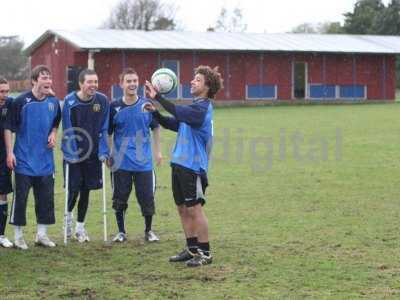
(130, 84)
(198, 87)
(42, 85)
(89, 85)
(4, 90)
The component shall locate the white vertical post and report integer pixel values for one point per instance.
(66, 202)
(103, 169)
(91, 60)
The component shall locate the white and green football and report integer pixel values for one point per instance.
(164, 80)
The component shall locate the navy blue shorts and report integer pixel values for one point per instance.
(85, 175)
(188, 188)
(144, 182)
(43, 192)
(5, 179)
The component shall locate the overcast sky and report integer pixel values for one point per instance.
(29, 19)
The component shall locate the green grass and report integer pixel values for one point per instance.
(317, 219)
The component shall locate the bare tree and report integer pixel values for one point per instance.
(222, 22)
(229, 21)
(237, 21)
(13, 63)
(141, 15)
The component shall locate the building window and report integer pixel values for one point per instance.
(332, 92)
(322, 91)
(353, 91)
(261, 92)
(174, 66)
(185, 90)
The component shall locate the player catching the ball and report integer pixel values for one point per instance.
(193, 124)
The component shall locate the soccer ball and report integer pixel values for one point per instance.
(164, 80)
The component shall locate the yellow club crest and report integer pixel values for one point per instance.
(96, 107)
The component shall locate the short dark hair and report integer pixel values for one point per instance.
(40, 69)
(125, 72)
(85, 72)
(213, 79)
(3, 80)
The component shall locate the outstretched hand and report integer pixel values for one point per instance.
(150, 90)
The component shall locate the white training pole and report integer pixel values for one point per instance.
(66, 202)
(103, 169)
(14, 188)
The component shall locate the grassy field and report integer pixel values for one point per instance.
(303, 204)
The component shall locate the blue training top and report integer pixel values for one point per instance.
(32, 120)
(132, 139)
(195, 134)
(85, 125)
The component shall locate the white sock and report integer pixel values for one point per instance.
(41, 229)
(80, 226)
(70, 215)
(18, 234)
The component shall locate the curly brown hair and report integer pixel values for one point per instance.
(213, 79)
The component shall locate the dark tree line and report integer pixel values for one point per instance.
(373, 17)
(367, 17)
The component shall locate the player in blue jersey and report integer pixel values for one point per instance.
(193, 124)
(5, 173)
(132, 154)
(34, 118)
(85, 123)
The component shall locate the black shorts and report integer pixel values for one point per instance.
(43, 192)
(5, 179)
(85, 175)
(145, 184)
(188, 188)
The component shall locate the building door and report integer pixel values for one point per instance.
(300, 80)
(72, 78)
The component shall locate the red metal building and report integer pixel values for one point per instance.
(255, 67)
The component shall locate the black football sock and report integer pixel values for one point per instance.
(3, 217)
(192, 244)
(148, 220)
(120, 216)
(205, 248)
(83, 205)
(72, 196)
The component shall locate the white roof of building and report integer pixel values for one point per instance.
(107, 39)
